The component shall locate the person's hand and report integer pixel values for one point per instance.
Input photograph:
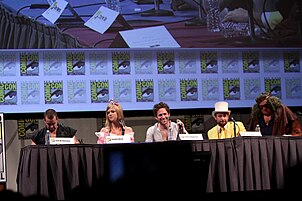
(236, 15)
(180, 124)
(101, 140)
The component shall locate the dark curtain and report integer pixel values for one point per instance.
(20, 32)
(252, 163)
(236, 165)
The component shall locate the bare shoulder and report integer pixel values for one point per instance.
(129, 129)
(104, 129)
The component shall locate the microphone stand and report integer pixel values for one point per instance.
(123, 126)
(200, 20)
(250, 7)
(180, 130)
(234, 126)
(177, 137)
(156, 11)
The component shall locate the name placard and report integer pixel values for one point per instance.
(118, 139)
(250, 133)
(150, 37)
(195, 136)
(61, 140)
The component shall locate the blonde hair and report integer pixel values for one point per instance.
(118, 109)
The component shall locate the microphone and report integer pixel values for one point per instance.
(122, 123)
(233, 120)
(180, 126)
(299, 113)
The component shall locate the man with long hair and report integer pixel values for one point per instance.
(273, 117)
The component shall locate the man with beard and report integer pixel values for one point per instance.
(164, 129)
(224, 128)
(273, 117)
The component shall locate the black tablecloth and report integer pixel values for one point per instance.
(252, 163)
(238, 164)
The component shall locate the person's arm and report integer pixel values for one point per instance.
(101, 139)
(295, 128)
(74, 133)
(181, 125)
(71, 132)
(130, 131)
(149, 134)
(36, 137)
(241, 15)
(104, 130)
(76, 141)
(212, 133)
(241, 128)
(265, 19)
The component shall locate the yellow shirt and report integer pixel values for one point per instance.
(228, 132)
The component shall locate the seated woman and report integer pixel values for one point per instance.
(115, 124)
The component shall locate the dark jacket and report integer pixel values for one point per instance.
(62, 131)
(285, 122)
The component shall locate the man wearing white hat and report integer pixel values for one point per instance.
(224, 128)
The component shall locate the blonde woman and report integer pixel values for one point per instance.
(115, 124)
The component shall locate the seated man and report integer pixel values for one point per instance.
(55, 129)
(224, 128)
(274, 117)
(164, 129)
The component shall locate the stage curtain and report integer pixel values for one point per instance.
(252, 163)
(20, 32)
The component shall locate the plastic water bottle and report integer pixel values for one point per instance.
(47, 136)
(213, 18)
(234, 29)
(114, 5)
(257, 129)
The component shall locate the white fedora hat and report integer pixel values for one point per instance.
(222, 107)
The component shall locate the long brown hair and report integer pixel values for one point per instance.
(273, 102)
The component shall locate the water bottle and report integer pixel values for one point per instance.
(114, 5)
(213, 18)
(47, 136)
(257, 129)
(234, 29)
